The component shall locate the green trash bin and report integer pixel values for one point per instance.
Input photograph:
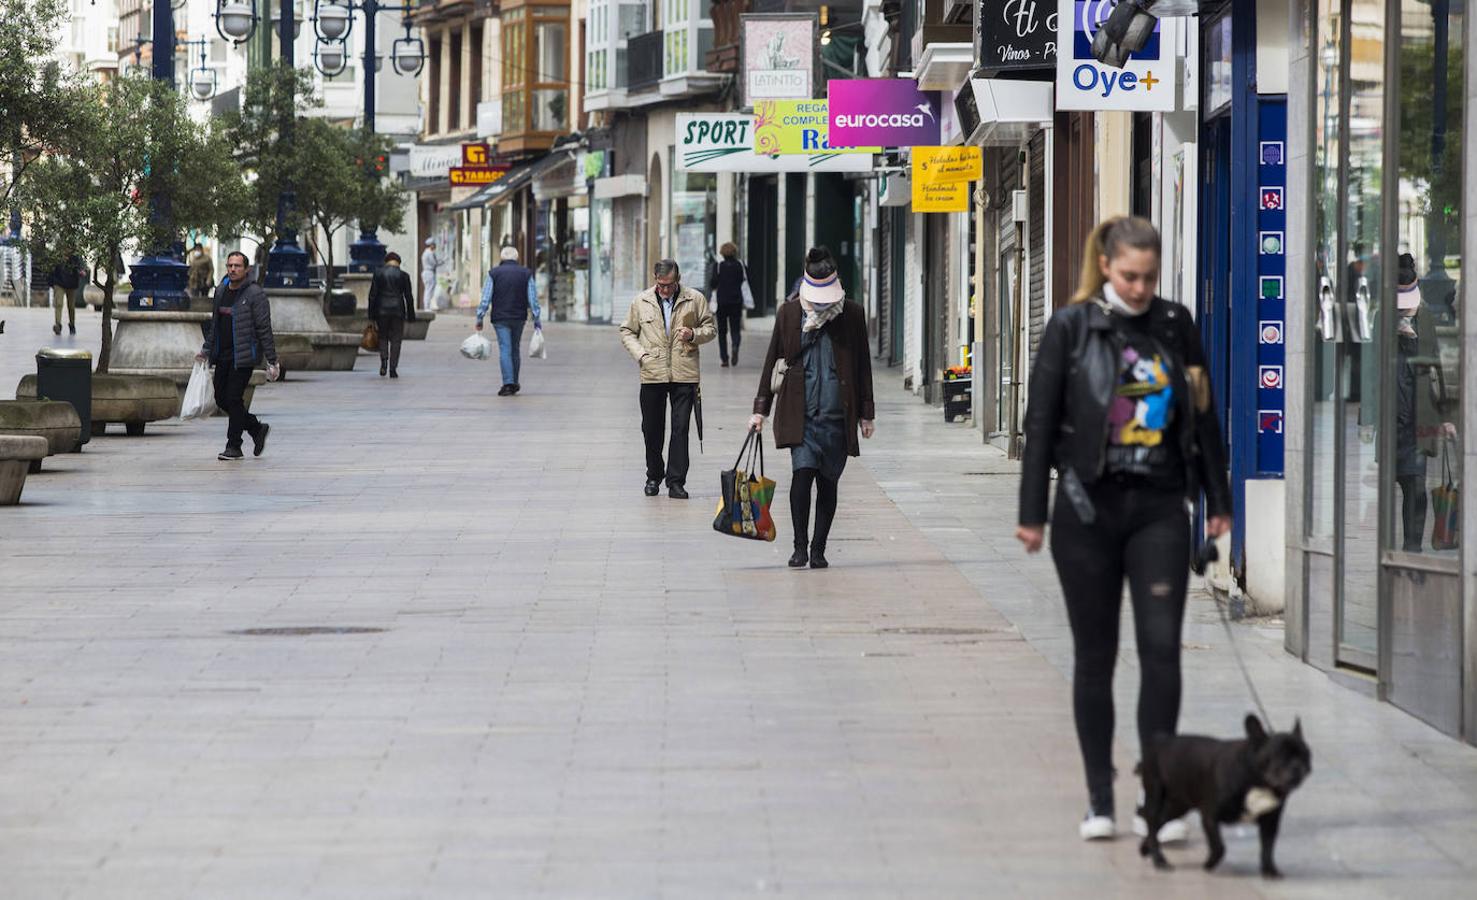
(64, 374)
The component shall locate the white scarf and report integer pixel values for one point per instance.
(816, 317)
(1119, 305)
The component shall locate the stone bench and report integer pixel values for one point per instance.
(132, 401)
(17, 453)
(54, 420)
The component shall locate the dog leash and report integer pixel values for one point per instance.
(1208, 554)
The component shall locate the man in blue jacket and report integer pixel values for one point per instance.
(510, 291)
(239, 338)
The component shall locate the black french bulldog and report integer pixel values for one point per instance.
(1226, 781)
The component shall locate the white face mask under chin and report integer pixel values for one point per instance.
(1118, 304)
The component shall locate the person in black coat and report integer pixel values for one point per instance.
(728, 302)
(391, 305)
(1120, 406)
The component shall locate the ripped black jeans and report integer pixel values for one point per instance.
(1141, 533)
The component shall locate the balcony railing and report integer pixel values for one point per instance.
(644, 60)
(727, 33)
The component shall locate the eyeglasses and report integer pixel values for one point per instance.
(667, 287)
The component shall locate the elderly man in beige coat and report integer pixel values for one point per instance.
(662, 332)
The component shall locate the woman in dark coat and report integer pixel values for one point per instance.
(819, 367)
(728, 302)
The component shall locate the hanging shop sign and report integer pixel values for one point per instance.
(796, 126)
(1015, 35)
(883, 112)
(948, 165)
(470, 176)
(940, 198)
(724, 142)
(1271, 301)
(779, 57)
(475, 155)
(1146, 82)
(434, 160)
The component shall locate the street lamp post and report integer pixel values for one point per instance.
(159, 279)
(333, 20)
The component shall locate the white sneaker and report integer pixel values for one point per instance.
(1175, 831)
(1096, 828)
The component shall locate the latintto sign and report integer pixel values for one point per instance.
(779, 54)
(1146, 83)
(882, 112)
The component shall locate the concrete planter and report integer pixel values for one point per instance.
(53, 420)
(132, 401)
(358, 284)
(17, 453)
(298, 313)
(416, 331)
(164, 344)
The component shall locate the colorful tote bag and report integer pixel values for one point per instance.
(1446, 503)
(744, 510)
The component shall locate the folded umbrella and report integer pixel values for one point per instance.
(697, 414)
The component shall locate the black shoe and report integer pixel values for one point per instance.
(799, 558)
(259, 442)
(56, 329)
(818, 559)
(676, 492)
(384, 369)
(394, 374)
(723, 365)
(231, 453)
(652, 487)
(72, 327)
(505, 391)
(517, 387)
(735, 359)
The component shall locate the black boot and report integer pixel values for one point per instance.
(384, 368)
(818, 557)
(799, 559)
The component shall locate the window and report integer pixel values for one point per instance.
(1426, 348)
(535, 69)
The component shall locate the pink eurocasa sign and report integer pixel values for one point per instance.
(882, 112)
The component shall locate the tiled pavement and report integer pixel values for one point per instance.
(580, 692)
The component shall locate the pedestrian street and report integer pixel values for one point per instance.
(435, 643)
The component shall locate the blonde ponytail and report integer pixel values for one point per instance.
(1108, 239)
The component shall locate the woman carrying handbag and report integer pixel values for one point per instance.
(731, 296)
(817, 379)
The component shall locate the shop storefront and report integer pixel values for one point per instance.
(1378, 585)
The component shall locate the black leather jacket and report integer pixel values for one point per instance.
(1072, 384)
(391, 294)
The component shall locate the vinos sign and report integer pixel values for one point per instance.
(1016, 35)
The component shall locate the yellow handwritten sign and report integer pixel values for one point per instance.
(795, 127)
(940, 198)
(947, 165)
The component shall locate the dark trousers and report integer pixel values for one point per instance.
(730, 322)
(230, 396)
(1142, 534)
(1412, 511)
(654, 400)
(802, 480)
(392, 332)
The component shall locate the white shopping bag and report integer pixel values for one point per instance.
(199, 402)
(477, 347)
(536, 348)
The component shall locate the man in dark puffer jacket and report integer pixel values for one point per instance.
(238, 339)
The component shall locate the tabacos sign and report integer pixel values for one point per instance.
(1146, 83)
(882, 112)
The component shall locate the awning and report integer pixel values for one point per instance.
(516, 179)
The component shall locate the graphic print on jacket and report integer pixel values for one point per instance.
(1141, 417)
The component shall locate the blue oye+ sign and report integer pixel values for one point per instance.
(1146, 83)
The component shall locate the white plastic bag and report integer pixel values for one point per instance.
(536, 348)
(477, 347)
(199, 402)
